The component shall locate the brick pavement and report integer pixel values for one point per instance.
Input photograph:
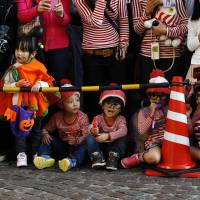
(88, 184)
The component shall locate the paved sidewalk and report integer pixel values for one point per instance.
(84, 183)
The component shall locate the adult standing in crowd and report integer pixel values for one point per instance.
(54, 20)
(189, 6)
(105, 42)
(168, 57)
(8, 29)
(193, 43)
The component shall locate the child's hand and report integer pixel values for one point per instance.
(46, 139)
(36, 87)
(59, 11)
(71, 140)
(95, 131)
(23, 83)
(102, 137)
(17, 64)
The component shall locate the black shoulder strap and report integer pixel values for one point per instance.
(113, 24)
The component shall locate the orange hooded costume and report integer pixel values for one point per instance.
(37, 102)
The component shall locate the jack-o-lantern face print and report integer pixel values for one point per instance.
(26, 124)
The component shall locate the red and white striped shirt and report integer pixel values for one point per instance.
(117, 130)
(178, 30)
(97, 31)
(78, 129)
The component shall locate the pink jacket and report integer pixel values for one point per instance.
(55, 35)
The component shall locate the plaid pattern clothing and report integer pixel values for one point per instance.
(154, 127)
(78, 129)
(117, 130)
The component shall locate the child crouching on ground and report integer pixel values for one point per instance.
(108, 131)
(72, 127)
(149, 124)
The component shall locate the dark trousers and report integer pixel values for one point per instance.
(58, 63)
(99, 70)
(146, 66)
(62, 149)
(117, 146)
(34, 137)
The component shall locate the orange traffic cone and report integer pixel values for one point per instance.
(175, 148)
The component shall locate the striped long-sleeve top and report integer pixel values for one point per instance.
(97, 31)
(117, 130)
(179, 29)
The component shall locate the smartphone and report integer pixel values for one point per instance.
(54, 3)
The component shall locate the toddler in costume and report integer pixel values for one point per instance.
(150, 125)
(72, 127)
(26, 72)
(108, 131)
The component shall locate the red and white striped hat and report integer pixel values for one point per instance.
(67, 94)
(112, 93)
(157, 76)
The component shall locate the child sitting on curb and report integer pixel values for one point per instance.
(72, 127)
(108, 131)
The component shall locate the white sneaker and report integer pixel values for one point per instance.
(21, 160)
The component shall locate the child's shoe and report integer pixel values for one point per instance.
(112, 162)
(97, 160)
(130, 161)
(21, 160)
(43, 161)
(66, 164)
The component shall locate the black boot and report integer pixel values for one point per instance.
(112, 162)
(97, 160)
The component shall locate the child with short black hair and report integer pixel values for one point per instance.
(26, 72)
(108, 131)
(72, 127)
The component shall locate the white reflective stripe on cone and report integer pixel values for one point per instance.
(179, 96)
(177, 116)
(176, 138)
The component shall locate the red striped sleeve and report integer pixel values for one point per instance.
(98, 32)
(180, 29)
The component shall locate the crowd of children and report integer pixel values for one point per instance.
(69, 137)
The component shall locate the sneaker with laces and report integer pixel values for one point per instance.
(112, 162)
(97, 160)
(130, 161)
(43, 161)
(66, 164)
(22, 160)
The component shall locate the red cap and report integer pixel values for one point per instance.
(112, 93)
(157, 76)
(66, 95)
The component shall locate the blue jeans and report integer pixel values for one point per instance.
(117, 146)
(59, 147)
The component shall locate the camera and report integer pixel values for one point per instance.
(4, 38)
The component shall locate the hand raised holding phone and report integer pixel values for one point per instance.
(58, 8)
(44, 5)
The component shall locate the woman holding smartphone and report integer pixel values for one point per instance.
(55, 16)
(193, 43)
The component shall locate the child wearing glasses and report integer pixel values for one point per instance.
(149, 123)
(107, 131)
